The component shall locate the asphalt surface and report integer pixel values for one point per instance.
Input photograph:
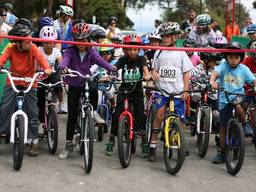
(47, 173)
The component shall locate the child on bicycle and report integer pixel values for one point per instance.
(133, 63)
(179, 65)
(79, 58)
(231, 75)
(53, 55)
(23, 55)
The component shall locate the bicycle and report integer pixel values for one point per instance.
(127, 137)
(85, 127)
(235, 138)
(204, 115)
(19, 119)
(103, 109)
(51, 124)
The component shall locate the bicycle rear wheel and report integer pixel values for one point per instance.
(87, 140)
(52, 130)
(175, 155)
(18, 146)
(124, 143)
(235, 147)
(204, 135)
(253, 125)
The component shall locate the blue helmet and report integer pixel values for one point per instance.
(251, 28)
(45, 21)
(145, 40)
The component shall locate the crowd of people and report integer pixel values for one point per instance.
(170, 70)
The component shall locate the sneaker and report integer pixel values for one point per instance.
(248, 130)
(220, 158)
(144, 150)
(152, 154)
(97, 118)
(109, 148)
(62, 108)
(66, 153)
(34, 150)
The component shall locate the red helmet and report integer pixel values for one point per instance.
(132, 39)
(81, 31)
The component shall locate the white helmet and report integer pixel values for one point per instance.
(155, 35)
(66, 10)
(48, 32)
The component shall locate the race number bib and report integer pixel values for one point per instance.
(168, 73)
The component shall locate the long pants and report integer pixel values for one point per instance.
(74, 95)
(137, 101)
(8, 107)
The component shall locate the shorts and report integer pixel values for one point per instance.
(225, 115)
(179, 105)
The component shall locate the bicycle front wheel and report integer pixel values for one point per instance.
(204, 134)
(52, 130)
(149, 122)
(174, 155)
(235, 147)
(124, 142)
(87, 140)
(18, 146)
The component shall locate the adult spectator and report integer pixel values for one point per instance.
(4, 27)
(232, 29)
(157, 23)
(112, 28)
(247, 22)
(216, 28)
(10, 18)
(63, 25)
(189, 24)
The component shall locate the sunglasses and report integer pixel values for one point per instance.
(3, 15)
(201, 27)
(106, 53)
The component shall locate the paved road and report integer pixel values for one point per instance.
(47, 173)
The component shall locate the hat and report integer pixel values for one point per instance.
(8, 6)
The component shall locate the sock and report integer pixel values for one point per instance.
(152, 144)
(35, 141)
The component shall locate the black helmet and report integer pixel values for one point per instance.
(98, 33)
(20, 30)
(208, 56)
(113, 18)
(235, 45)
(24, 21)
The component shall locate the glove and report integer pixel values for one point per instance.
(63, 71)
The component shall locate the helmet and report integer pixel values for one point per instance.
(235, 45)
(20, 30)
(8, 6)
(145, 40)
(24, 21)
(169, 28)
(45, 21)
(203, 20)
(81, 31)
(251, 28)
(253, 46)
(66, 10)
(219, 42)
(155, 35)
(48, 32)
(113, 18)
(105, 49)
(117, 37)
(132, 39)
(97, 33)
(189, 41)
(208, 56)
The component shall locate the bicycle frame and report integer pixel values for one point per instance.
(103, 104)
(20, 101)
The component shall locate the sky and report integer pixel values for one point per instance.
(144, 19)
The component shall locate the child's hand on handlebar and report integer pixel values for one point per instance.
(48, 72)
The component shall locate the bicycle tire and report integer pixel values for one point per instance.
(235, 137)
(168, 152)
(52, 130)
(253, 124)
(124, 152)
(203, 138)
(18, 146)
(88, 139)
(79, 134)
(149, 123)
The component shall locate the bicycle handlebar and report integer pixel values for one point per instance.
(50, 84)
(24, 79)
